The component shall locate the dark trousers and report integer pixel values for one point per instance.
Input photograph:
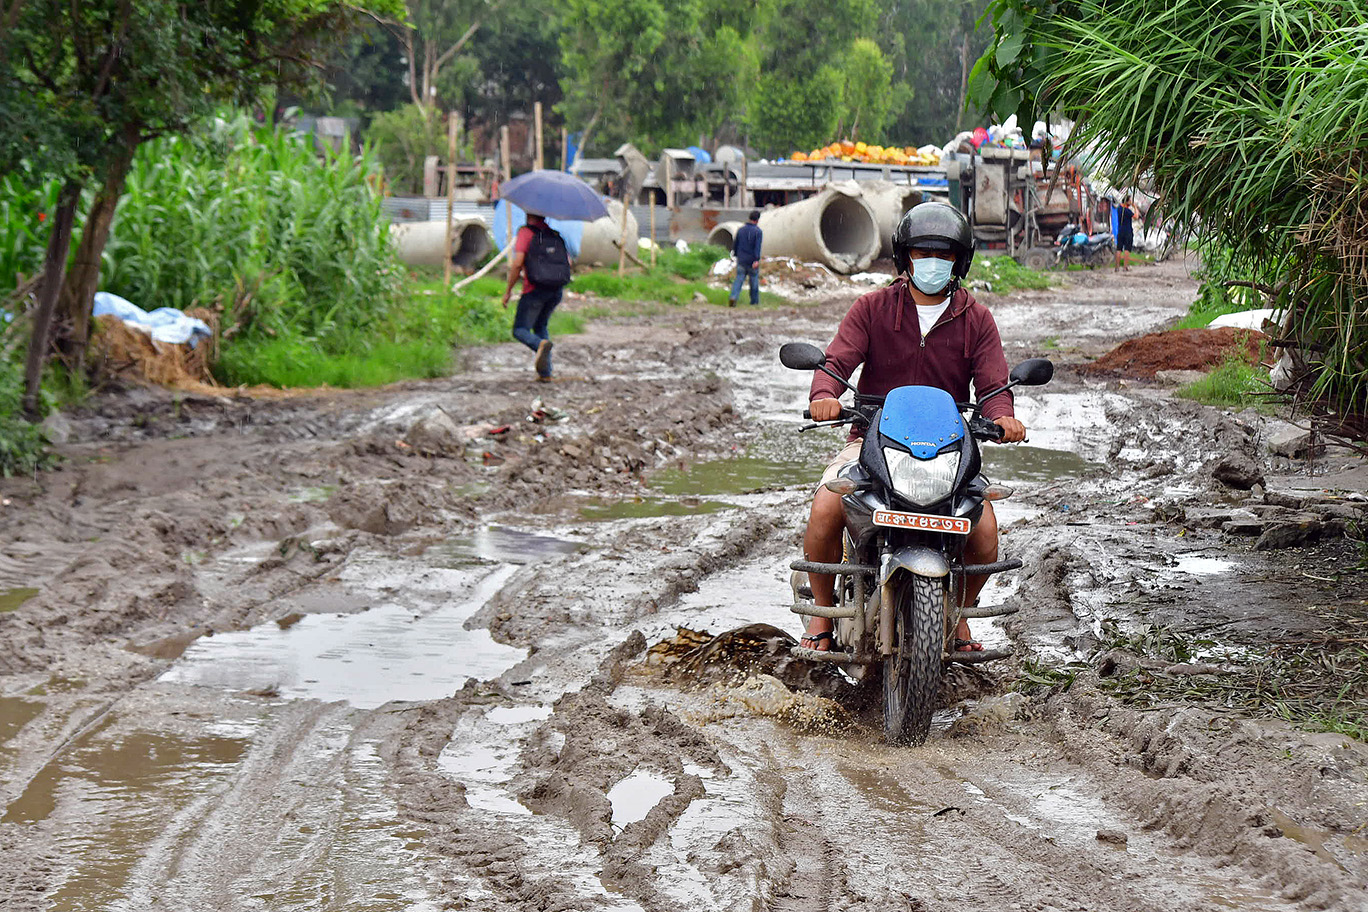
(742, 273)
(534, 312)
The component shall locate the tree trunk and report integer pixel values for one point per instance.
(54, 266)
(83, 279)
(588, 130)
(964, 82)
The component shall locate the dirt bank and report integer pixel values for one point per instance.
(391, 649)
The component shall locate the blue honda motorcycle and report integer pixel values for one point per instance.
(910, 501)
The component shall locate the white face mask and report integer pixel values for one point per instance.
(931, 274)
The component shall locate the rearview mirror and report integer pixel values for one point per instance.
(804, 356)
(1033, 372)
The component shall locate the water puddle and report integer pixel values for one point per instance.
(501, 544)
(882, 788)
(15, 713)
(602, 509)
(130, 779)
(736, 475)
(1025, 463)
(1319, 841)
(483, 754)
(1202, 566)
(367, 659)
(11, 599)
(633, 798)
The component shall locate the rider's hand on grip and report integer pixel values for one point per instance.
(824, 410)
(1013, 431)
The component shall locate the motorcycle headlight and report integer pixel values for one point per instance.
(922, 481)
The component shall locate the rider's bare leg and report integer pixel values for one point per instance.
(980, 548)
(822, 542)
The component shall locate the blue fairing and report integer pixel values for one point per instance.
(921, 419)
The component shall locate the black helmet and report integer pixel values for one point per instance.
(934, 226)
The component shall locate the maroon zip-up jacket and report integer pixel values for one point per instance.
(881, 331)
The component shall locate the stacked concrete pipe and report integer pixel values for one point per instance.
(724, 235)
(889, 201)
(599, 243)
(836, 228)
(424, 243)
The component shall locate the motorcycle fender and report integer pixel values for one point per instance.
(913, 559)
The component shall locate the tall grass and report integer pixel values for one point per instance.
(26, 199)
(283, 242)
(1249, 119)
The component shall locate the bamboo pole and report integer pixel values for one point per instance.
(539, 163)
(484, 270)
(507, 176)
(453, 121)
(565, 149)
(622, 245)
(653, 240)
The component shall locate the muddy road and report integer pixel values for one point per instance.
(450, 645)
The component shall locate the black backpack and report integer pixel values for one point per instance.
(546, 260)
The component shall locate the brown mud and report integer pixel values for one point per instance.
(455, 645)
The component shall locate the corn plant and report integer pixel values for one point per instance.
(283, 241)
(25, 201)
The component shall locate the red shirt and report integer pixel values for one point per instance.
(881, 332)
(521, 242)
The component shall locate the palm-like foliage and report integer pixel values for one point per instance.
(1250, 119)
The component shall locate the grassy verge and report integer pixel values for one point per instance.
(677, 279)
(1317, 686)
(415, 340)
(1002, 275)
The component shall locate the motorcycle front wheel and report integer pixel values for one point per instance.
(912, 674)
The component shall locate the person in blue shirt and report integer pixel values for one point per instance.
(1125, 231)
(746, 249)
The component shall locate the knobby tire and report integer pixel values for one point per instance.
(912, 674)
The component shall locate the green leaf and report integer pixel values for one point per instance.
(1010, 49)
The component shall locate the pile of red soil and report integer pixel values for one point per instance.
(1177, 349)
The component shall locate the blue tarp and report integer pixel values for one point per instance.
(165, 324)
(571, 232)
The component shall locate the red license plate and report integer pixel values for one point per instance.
(921, 522)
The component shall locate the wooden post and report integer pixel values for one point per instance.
(565, 148)
(538, 162)
(653, 240)
(622, 245)
(453, 121)
(507, 176)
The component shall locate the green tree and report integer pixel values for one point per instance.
(867, 93)
(434, 36)
(100, 77)
(932, 45)
(803, 45)
(658, 72)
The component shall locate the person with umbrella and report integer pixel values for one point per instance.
(539, 255)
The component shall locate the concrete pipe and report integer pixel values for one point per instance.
(724, 234)
(889, 201)
(599, 244)
(836, 228)
(424, 243)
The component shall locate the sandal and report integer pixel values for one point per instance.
(968, 645)
(810, 640)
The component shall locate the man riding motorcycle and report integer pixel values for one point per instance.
(920, 329)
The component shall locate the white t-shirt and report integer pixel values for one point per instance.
(927, 315)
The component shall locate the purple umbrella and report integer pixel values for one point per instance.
(554, 194)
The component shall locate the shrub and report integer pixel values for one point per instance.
(287, 245)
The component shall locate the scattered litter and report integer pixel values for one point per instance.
(1247, 319)
(870, 278)
(541, 413)
(682, 245)
(723, 266)
(492, 459)
(645, 243)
